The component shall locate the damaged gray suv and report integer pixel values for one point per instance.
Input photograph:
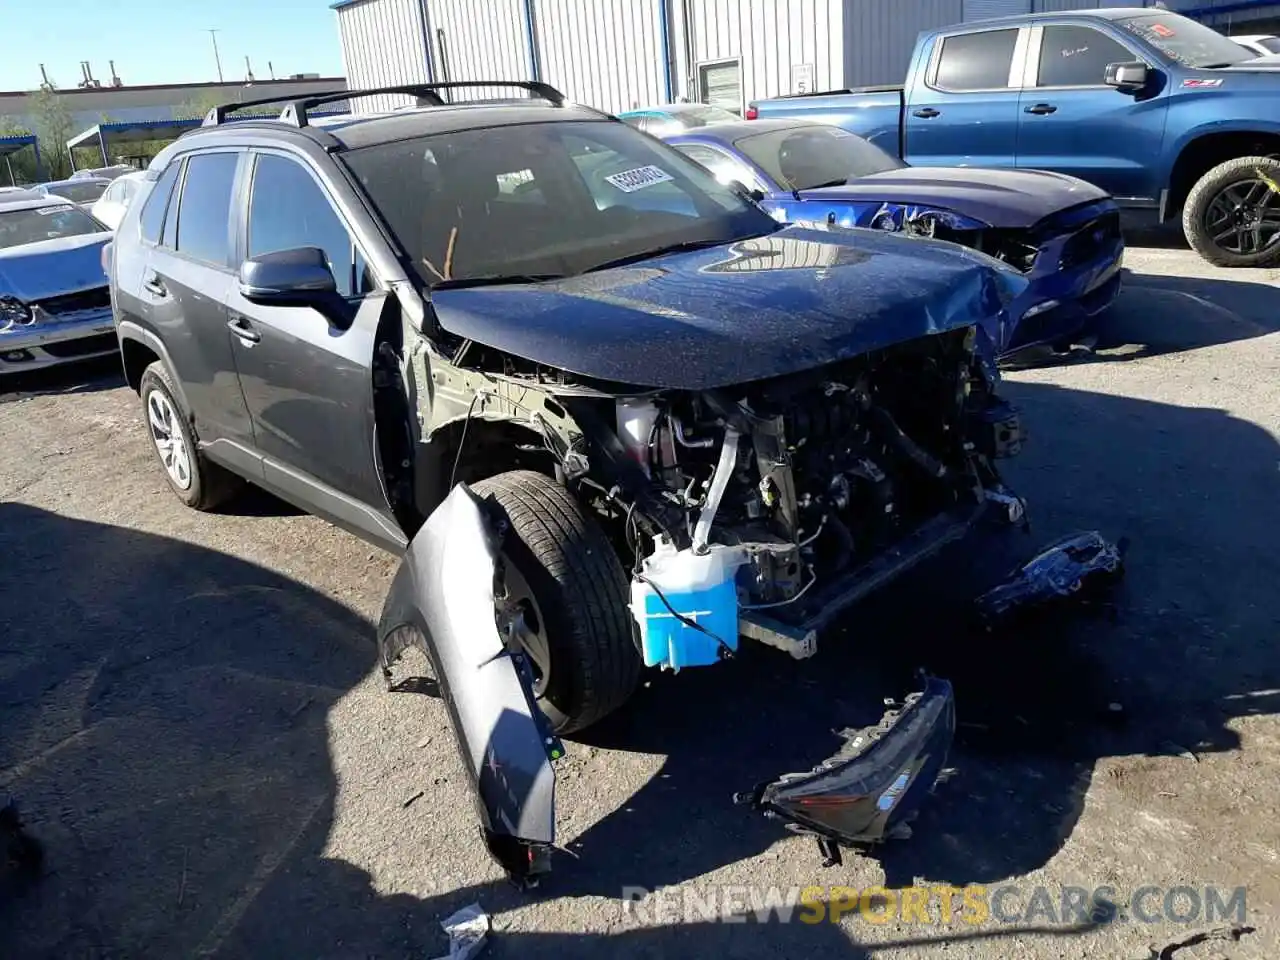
(612, 414)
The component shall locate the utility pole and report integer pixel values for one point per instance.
(213, 35)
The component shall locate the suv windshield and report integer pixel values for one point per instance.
(545, 200)
(19, 227)
(1189, 43)
(802, 158)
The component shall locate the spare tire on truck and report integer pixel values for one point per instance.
(1232, 215)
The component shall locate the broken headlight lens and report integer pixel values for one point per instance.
(13, 313)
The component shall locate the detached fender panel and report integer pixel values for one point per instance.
(442, 599)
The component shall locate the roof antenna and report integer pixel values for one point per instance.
(248, 70)
(115, 78)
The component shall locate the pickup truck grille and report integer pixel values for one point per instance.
(1090, 240)
(99, 298)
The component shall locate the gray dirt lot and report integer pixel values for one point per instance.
(190, 714)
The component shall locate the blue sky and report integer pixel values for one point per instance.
(164, 41)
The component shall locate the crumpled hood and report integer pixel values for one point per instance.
(50, 268)
(781, 303)
(998, 198)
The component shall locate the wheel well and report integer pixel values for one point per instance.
(1203, 154)
(137, 357)
(488, 448)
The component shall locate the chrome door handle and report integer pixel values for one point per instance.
(241, 328)
(1042, 109)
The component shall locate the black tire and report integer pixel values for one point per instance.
(1203, 214)
(581, 594)
(210, 485)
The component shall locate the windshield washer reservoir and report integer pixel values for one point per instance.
(700, 589)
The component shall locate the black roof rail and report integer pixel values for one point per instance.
(218, 114)
(296, 111)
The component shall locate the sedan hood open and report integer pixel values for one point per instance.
(763, 307)
(36, 271)
(997, 198)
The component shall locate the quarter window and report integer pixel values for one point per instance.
(204, 215)
(152, 218)
(288, 209)
(976, 61)
(1077, 57)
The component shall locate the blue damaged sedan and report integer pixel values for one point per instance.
(54, 302)
(1060, 232)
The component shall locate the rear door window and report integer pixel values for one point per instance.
(204, 213)
(152, 219)
(976, 61)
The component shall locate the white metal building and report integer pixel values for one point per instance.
(618, 54)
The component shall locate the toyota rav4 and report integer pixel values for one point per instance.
(611, 412)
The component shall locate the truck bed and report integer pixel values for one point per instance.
(871, 112)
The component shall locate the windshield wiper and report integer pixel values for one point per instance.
(829, 183)
(1218, 66)
(657, 252)
(495, 280)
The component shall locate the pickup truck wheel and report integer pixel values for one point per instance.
(197, 482)
(567, 596)
(1232, 215)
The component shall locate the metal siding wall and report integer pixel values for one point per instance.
(769, 37)
(604, 53)
(382, 46)
(485, 39)
(880, 36)
(987, 9)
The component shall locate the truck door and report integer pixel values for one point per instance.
(963, 109)
(1072, 122)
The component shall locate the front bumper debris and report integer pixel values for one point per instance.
(1076, 567)
(871, 788)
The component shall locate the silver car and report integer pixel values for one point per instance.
(54, 302)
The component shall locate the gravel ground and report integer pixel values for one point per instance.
(191, 718)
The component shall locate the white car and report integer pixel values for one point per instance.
(110, 207)
(1260, 44)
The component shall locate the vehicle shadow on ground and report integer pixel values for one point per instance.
(1186, 651)
(163, 709)
(1156, 314)
(86, 376)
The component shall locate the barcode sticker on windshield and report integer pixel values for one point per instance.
(628, 181)
(49, 211)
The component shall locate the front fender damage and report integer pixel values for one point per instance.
(442, 601)
(873, 787)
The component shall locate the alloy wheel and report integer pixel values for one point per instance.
(169, 440)
(1244, 218)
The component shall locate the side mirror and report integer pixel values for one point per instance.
(1129, 77)
(299, 277)
(756, 196)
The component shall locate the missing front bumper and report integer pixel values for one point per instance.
(869, 790)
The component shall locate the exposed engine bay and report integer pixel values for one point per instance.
(812, 477)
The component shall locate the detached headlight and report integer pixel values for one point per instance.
(13, 313)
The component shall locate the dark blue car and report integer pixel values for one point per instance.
(1062, 233)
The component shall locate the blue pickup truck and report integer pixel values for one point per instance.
(1158, 110)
